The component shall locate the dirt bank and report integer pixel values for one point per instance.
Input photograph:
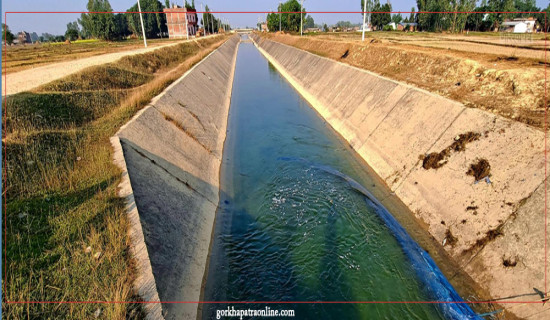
(172, 152)
(499, 81)
(486, 225)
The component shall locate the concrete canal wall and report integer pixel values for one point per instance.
(171, 153)
(423, 145)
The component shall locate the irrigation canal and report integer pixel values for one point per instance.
(297, 220)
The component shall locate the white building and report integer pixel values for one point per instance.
(520, 25)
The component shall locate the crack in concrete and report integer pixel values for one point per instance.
(181, 128)
(193, 115)
(500, 227)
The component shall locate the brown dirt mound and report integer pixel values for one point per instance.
(436, 160)
(451, 239)
(509, 262)
(479, 169)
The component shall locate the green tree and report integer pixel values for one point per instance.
(289, 21)
(412, 16)
(99, 25)
(47, 37)
(545, 23)
(369, 9)
(434, 21)
(481, 21)
(381, 15)
(325, 27)
(34, 37)
(209, 21)
(397, 18)
(153, 23)
(309, 22)
(7, 36)
(273, 21)
(344, 24)
(121, 26)
(504, 7)
(73, 31)
(529, 6)
(459, 19)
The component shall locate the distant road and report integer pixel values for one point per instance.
(31, 78)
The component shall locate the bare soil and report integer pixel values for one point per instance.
(480, 71)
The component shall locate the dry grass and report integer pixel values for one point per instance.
(60, 190)
(23, 57)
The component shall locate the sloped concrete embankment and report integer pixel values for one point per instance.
(494, 228)
(171, 153)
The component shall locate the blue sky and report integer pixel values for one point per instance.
(56, 23)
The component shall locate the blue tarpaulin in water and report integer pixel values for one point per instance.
(427, 271)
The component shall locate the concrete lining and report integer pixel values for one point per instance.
(170, 154)
(391, 124)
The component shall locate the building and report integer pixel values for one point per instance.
(23, 37)
(519, 25)
(407, 26)
(312, 30)
(181, 22)
(367, 26)
(263, 27)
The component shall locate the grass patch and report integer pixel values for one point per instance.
(60, 190)
(157, 60)
(105, 77)
(32, 111)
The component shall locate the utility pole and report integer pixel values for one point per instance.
(279, 16)
(142, 27)
(186, 24)
(205, 16)
(212, 23)
(301, 18)
(364, 18)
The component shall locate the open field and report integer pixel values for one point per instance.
(478, 71)
(22, 57)
(519, 45)
(66, 228)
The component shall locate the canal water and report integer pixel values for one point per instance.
(297, 222)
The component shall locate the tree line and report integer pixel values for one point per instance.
(473, 17)
(449, 19)
(111, 27)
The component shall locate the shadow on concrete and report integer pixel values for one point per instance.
(177, 220)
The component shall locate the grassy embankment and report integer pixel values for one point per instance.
(21, 57)
(66, 228)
